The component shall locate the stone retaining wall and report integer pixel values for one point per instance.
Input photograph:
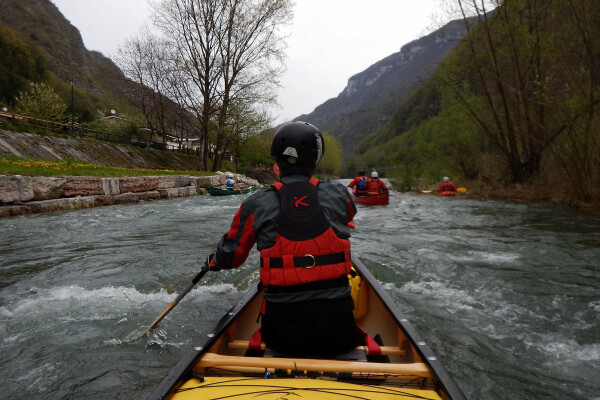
(33, 194)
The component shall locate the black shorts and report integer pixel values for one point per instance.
(315, 328)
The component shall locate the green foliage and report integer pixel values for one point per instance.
(420, 105)
(85, 103)
(40, 101)
(331, 163)
(446, 144)
(20, 63)
(255, 152)
(518, 100)
(21, 166)
(352, 165)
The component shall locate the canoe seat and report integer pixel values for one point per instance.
(385, 350)
(261, 364)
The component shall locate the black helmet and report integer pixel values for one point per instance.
(361, 172)
(300, 140)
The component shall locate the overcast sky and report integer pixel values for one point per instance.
(330, 41)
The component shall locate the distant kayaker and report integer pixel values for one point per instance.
(229, 182)
(376, 185)
(446, 186)
(300, 227)
(362, 184)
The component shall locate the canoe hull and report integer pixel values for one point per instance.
(314, 389)
(448, 193)
(214, 191)
(373, 199)
(412, 370)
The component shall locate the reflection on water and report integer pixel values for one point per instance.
(508, 295)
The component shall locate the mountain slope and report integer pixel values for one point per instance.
(373, 95)
(63, 49)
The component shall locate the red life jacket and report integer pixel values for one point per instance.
(446, 186)
(374, 186)
(306, 247)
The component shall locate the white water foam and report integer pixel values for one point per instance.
(482, 256)
(99, 304)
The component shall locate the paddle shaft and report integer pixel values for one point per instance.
(177, 300)
(460, 189)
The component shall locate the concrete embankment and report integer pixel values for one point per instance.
(34, 194)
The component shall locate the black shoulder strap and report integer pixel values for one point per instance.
(301, 216)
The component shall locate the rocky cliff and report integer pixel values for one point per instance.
(373, 95)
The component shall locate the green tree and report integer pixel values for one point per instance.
(331, 163)
(255, 152)
(40, 101)
(510, 74)
(20, 63)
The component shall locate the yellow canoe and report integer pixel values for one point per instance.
(222, 368)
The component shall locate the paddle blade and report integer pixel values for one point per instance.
(461, 189)
(276, 169)
(161, 316)
(426, 191)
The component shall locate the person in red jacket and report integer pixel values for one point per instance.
(300, 227)
(376, 185)
(446, 186)
(362, 184)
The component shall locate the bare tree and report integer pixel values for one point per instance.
(190, 28)
(143, 59)
(224, 52)
(528, 74)
(251, 51)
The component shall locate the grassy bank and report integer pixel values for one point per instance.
(19, 166)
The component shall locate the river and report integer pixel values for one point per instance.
(506, 294)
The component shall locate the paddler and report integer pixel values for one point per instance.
(446, 186)
(300, 227)
(229, 182)
(376, 185)
(362, 184)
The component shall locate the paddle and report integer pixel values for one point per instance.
(176, 301)
(460, 189)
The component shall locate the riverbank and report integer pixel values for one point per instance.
(530, 193)
(21, 195)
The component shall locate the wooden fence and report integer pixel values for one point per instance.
(78, 131)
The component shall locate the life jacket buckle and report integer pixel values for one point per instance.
(313, 260)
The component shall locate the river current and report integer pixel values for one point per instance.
(507, 295)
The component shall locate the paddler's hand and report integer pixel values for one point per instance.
(206, 266)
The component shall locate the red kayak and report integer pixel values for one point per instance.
(448, 193)
(372, 199)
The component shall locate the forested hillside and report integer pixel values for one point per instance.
(44, 46)
(516, 104)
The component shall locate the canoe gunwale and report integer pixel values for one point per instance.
(411, 333)
(216, 191)
(184, 368)
(373, 199)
